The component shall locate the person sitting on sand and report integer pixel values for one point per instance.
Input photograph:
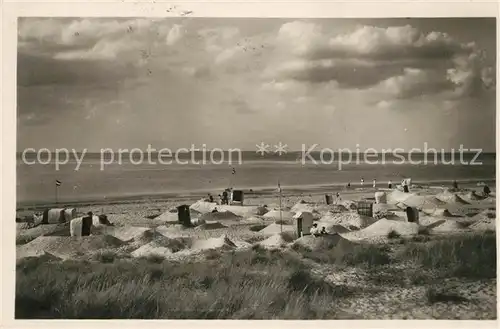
(315, 230)
(215, 210)
(486, 190)
(323, 231)
(210, 198)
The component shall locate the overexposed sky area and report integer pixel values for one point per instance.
(382, 83)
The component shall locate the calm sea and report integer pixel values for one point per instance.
(36, 182)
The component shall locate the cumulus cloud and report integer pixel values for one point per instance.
(93, 38)
(218, 39)
(175, 34)
(415, 82)
(227, 54)
(401, 61)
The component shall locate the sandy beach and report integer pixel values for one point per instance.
(150, 229)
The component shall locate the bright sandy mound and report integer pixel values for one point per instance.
(277, 240)
(161, 246)
(222, 242)
(125, 233)
(449, 225)
(325, 242)
(350, 220)
(383, 227)
(220, 216)
(275, 215)
(71, 247)
(276, 228)
(485, 220)
(449, 197)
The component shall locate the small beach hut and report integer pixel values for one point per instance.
(328, 199)
(412, 214)
(380, 197)
(237, 196)
(53, 216)
(184, 215)
(101, 220)
(304, 222)
(80, 226)
(365, 208)
(75, 226)
(87, 222)
(69, 214)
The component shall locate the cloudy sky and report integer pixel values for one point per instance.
(382, 83)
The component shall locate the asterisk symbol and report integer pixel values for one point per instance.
(280, 148)
(262, 148)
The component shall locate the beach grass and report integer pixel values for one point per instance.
(469, 256)
(252, 284)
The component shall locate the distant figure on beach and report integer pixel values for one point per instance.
(404, 183)
(221, 199)
(323, 231)
(210, 198)
(224, 197)
(374, 183)
(215, 210)
(455, 185)
(362, 181)
(486, 190)
(338, 196)
(389, 184)
(348, 185)
(314, 230)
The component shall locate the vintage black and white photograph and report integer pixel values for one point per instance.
(190, 167)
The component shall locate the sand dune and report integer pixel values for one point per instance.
(485, 220)
(448, 225)
(333, 228)
(450, 197)
(383, 227)
(325, 242)
(275, 214)
(220, 216)
(70, 247)
(277, 240)
(473, 196)
(276, 228)
(160, 245)
(151, 249)
(222, 242)
(350, 220)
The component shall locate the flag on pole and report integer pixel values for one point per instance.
(58, 182)
(234, 171)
